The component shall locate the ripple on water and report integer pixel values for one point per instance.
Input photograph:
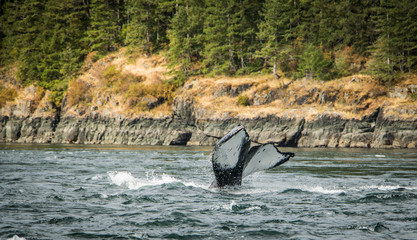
(386, 197)
(155, 194)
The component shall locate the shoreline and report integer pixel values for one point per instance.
(373, 131)
(355, 111)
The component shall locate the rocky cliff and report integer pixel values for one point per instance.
(349, 112)
(375, 130)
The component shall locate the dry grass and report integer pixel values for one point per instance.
(125, 84)
(79, 93)
(128, 84)
(351, 97)
(6, 94)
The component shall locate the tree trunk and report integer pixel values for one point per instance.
(275, 68)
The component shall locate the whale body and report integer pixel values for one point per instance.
(234, 159)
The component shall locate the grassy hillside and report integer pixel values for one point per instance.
(137, 85)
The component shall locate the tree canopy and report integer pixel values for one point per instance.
(323, 39)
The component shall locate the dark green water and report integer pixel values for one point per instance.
(76, 192)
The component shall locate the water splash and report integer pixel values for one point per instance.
(126, 179)
(320, 189)
(15, 237)
(229, 206)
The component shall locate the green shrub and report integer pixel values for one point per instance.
(243, 100)
(111, 75)
(313, 64)
(414, 95)
(6, 94)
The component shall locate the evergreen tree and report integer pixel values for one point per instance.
(313, 64)
(277, 29)
(9, 20)
(228, 34)
(62, 50)
(217, 40)
(185, 33)
(48, 39)
(357, 28)
(102, 33)
(245, 30)
(28, 27)
(403, 28)
(394, 51)
(147, 23)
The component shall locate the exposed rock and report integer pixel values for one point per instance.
(229, 90)
(323, 97)
(265, 96)
(398, 92)
(178, 138)
(236, 90)
(325, 131)
(412, 88)
(183, 108)
(222, 90)
(191, 124)
(151, 101)
(302, 100)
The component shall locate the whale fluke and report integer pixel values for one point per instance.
(233, 159)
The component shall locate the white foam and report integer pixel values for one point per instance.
(15, 237)
(125, 179)
(233, 204)
(253, 208)
(380, 156)
(229, 206)
(320, 189)
(195, 185)
(97, 177)
(386, 187)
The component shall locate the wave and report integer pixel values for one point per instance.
(387, 187)
(343, 190)
(378, 227)
(386, 197)
(233, 206)
(126, 179)
(320, 189)
(15, 237)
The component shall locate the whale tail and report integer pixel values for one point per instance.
(233, 159)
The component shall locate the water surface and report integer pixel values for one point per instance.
(122, 192)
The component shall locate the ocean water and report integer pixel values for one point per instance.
(122, 192)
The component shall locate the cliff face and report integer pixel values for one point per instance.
(373, 131)
(103, 106)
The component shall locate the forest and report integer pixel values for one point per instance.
(47, 40)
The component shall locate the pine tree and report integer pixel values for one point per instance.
(64, 27)
(246, 28)
(147, 23)
(28, 27)
(217, 40)
(404, 34)
(313, 64)
(394, 52)
(277, 29)
(357, 28)
(184, 34)
(102, 33)
(228, 35)
(9, 20)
